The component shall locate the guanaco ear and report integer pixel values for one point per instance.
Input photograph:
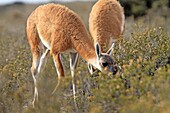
(98, 50)
(109, 52)
(91, 69)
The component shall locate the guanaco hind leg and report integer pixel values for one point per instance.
(42, 59)
(34, 70)
(38, 55)
(38, 60)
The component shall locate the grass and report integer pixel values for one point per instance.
(143, 55)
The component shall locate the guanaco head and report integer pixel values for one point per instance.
(104, 61)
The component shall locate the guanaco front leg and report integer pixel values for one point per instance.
(73, 64)
(59, 69)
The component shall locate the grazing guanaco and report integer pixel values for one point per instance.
(56, 29)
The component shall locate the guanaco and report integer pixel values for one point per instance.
(56, 29)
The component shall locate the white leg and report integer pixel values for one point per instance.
(35, 91)
(34, 70)
(73, 63)
(42, 59)
(37, 63)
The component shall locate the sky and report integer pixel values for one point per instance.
(3, 2)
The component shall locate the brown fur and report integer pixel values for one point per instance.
(105, 22)
(60, 27)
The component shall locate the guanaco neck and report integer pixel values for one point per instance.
(103, 42)
(86, 50)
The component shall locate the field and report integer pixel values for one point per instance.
(142, 86)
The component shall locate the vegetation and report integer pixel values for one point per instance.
(142, 85)
(136, 8)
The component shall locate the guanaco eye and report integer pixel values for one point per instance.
(104, 64)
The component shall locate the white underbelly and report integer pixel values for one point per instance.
(45, 43)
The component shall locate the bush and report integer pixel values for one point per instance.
(145, 77)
